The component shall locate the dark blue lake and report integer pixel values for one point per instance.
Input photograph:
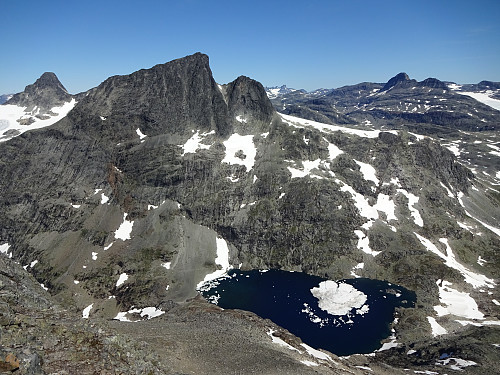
(344, 317)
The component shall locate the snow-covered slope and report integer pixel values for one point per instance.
(15, 120)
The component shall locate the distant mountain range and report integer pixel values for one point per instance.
(117, 204)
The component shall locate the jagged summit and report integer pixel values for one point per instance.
(397, 79)
(168, 98)
(176, 97)
(47, 92)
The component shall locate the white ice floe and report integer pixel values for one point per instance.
(412, 200)
(148, 312)
(301, 123)
(338, 298)
(456, 303)
(9, 114)
(436, 328)
(4, 249)
(140, 134)
(123, 277)
(86, 311)
(194, 144)
(279, 341)
(125, 229)
(222, 260)
(240, 150)
(475, 279)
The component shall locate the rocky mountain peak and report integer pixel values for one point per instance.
(433, 83)
(248, 98)
(401, 77)
(175, 97)
(47, 92)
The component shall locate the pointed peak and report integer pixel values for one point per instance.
(49, 79)
(401, 77)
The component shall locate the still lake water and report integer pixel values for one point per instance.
(286, 299)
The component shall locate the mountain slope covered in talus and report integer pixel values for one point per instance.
(126, 204)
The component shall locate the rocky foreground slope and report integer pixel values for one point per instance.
(123, 207)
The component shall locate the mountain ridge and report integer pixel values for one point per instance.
(151, 172)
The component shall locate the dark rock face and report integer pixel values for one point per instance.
(248, 99)
(47, 92)
(169, 98)
(433, 83)
(397, 79)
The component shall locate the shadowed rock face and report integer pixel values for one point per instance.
(169, 98)
(47, 92)
(247, 98)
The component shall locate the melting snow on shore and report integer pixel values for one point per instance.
(222, 260)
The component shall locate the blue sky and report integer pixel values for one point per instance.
(304, 44)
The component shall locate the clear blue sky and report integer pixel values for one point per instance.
(305, 44)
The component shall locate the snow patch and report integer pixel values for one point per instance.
(475, 279)
(243, 146)
(436, 327)
(124, 230)
(4, 249)
(456, 303)
(140, 134)
(279, 341)
(194, 144)
(412, 200)
(9, 114)
(316, 353)
(221, 260)
(301, 123)
(369, 173)
(148, 312)
(86, 311)
(123, 277)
